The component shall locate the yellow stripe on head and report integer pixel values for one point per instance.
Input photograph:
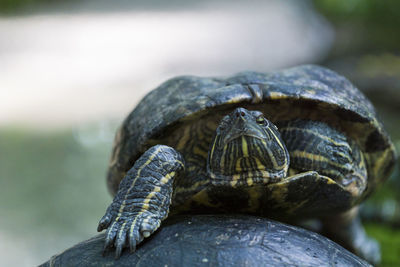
(245, 148)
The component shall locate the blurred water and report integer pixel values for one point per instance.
(85, 65)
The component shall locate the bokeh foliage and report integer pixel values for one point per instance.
(13, 6)
(374, 23)
(389, 240)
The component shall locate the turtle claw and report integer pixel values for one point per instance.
(140, 230)
(120, 243)
(104, 223)
(127, 231)
(109, 240)
(132, 245)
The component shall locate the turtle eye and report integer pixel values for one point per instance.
(260, 120)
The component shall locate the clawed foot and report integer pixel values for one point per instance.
(142, 200)
(127, 230)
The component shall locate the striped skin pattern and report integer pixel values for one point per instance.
(143, 199)
(247, 149)
(315, 146)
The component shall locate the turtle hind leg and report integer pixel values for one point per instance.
(142, 200)
(347, 230)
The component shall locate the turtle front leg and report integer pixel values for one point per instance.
(142, 200)
(346, 229)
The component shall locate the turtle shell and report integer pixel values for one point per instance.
(308, 92)
(217, 241)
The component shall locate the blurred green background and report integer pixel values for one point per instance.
(70, 71)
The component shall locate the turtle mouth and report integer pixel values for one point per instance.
(239, 134)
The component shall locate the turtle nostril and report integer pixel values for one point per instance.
(240, 112)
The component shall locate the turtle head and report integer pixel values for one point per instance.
(247, 149)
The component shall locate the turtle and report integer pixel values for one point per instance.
(292, 145)
(218, 240)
